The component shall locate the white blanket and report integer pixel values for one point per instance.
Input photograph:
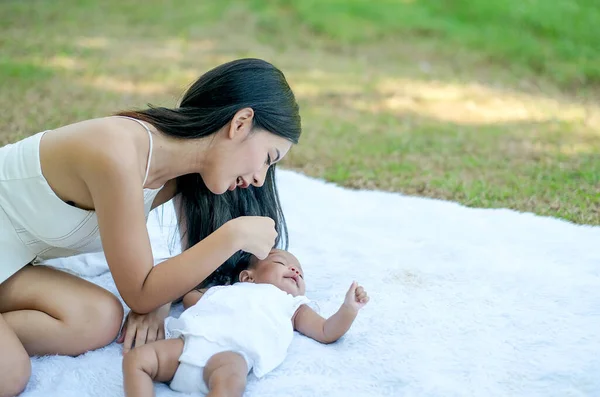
(464, 302)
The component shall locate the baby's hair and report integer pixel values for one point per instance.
(246, 261)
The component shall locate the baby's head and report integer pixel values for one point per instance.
(280, 269)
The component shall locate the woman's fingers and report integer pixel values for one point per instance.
(121, 337)
(140, 336)
(152, 335)
(128, 339)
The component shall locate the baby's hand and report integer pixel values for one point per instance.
(356, 297)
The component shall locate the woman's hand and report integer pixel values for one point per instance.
(143, 328)
(255, 234)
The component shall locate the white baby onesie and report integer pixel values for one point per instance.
(253, 320)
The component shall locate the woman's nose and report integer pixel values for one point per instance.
(258, 181)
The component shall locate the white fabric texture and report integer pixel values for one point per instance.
(464, 302)
(252, 319)
(189, 379)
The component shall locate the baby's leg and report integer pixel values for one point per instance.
(225, 375)
(156, 361)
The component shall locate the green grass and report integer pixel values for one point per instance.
(558, 38)
(491, 104)
(22, 71)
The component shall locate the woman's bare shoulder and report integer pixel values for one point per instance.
(85, 153)
(108, 143)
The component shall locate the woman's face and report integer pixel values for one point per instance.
(241, 156)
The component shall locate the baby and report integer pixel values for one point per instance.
(230, 330)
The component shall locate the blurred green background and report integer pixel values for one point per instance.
(488, 103)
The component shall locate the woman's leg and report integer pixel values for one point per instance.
(15, 367)
(53, 312)
(156, 361)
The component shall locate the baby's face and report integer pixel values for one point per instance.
(281, 269)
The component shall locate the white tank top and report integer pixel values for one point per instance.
(49, 227)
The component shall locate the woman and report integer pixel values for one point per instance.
(89, 186)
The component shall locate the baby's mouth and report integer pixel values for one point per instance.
(295, 278)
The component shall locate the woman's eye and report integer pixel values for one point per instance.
(268, 160)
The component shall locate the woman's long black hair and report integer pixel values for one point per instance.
(208, 105)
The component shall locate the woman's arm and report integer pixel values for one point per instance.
(115, 184)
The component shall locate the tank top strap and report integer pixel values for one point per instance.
(151, 145)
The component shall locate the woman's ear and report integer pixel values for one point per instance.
(241, 124)
(246, 276)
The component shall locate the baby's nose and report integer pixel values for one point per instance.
(295, 270)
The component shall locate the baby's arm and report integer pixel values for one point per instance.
(192, 297)
(311, 324)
